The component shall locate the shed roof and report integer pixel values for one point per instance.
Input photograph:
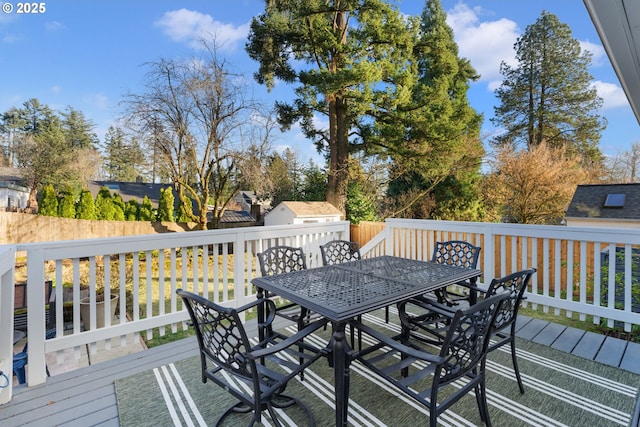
(589, 202)
(309, 209)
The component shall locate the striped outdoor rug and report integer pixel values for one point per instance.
(561, 390)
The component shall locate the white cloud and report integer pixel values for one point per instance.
(191, 27)
(99, 100)
(56, 89)
(53, 26)
(486, 44)
(10, 38)
(599, 56)
(612, 95)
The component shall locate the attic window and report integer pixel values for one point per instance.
(614, 201)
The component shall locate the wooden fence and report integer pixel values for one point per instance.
(365, 231)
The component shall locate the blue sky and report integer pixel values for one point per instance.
(89, 54)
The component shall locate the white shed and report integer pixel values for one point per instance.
(13, 196)
(302, 213)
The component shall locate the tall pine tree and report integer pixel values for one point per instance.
(342, 55)
(548, 96)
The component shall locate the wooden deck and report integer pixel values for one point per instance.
(86, 396)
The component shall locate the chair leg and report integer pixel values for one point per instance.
(481, 398)
(515, 364)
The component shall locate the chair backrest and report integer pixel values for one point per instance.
(456, 252)
(281, 259)
(20, 299)
(20, 294)
(338, 251)
(221, 335)
(515, 284)
(467, 339)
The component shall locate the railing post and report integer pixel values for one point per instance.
(36, 374)
(388, 238)
(488, 270)
(239, 278)
(7, 263)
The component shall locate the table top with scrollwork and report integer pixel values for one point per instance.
(343, 291)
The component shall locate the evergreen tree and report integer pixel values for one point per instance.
(549, 95)
(78, 130)
(48, 205)
(282, 182)
(86, 208)
(345, 56)
(359, 206)
(49, 147)
(131, 210)
(67, 204)
(145, 213)
(184, 213)
(105, 208)
(315, 184)
(124, 159)
(433, 138)
(118, 207)
(165, 205)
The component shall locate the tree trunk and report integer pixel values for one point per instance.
(33, 199)
(338, 154)
(338, 130)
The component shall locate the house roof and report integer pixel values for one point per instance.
(232, 216)
(589, 202)
(11, 175)
(311, 209)
(130, 190)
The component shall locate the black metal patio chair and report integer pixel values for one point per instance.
(422, 374)
(339, 251)
(431, 325)
(284, 259)
(460, 254)
(265, 368)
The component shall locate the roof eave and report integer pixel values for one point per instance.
(621, 40)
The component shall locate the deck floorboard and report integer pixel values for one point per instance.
(86, 396)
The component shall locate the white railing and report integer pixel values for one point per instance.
(575, 273)
(7, 262)
(144, 272)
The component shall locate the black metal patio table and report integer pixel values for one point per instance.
(341, 292)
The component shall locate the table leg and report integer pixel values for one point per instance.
(473, 293)
(341, 373)
(261, 315)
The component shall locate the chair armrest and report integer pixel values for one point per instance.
(433, 306)
(251, 304)
(271, 310)
(390, 342)
(288, 342)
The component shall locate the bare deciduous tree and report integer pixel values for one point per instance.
(198, 114)
(532, 187)
(625, 167)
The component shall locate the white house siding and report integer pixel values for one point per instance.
(13, 196)
(288, 213)
(599, 222)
